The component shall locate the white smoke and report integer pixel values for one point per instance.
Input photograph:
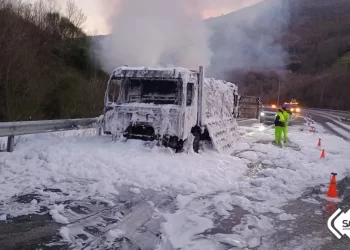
(250, 38)
(171, 33)
(155, 33)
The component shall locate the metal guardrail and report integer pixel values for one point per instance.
(346, 112)
(12, 129)
(330, 111)
(342, 116)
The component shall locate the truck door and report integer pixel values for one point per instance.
(190, 108)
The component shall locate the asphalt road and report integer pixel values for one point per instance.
(35, 231)
(324, 120)
(309, 230)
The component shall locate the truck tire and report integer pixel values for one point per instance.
(196, 132)
(179, 146)
(196, 143)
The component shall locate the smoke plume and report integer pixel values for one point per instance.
(156, 33)
(250, 39)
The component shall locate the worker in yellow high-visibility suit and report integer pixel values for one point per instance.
(279, 126)
(286, 123)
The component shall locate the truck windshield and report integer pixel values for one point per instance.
(113, 90)
(157, 91)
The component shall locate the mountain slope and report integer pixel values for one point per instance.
(249, 38)
(311, 38)
(46, 71)
(301, 44)
(305, 29)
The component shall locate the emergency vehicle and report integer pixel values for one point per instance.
(292, 106)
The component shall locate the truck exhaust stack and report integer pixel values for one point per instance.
(200, 95)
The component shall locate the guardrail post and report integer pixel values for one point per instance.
(10, 143)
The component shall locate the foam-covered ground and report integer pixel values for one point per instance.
(221, 201)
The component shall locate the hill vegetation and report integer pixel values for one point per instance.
(316, 73)
(46, 70)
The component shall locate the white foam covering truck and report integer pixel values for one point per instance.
(176, 107)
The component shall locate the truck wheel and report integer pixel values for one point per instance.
(196, 141)
(179, 146)
(196, 132)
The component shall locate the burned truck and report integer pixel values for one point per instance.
(174, 106)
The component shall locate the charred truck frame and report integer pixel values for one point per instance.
(172, 105)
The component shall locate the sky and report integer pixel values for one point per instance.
(98, 11)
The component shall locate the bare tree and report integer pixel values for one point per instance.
(74, 14)
(52, 6)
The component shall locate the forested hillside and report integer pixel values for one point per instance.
(46, 70)
(317, 42)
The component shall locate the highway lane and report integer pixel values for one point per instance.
(332, 126)
(325, 121)
(309, 230)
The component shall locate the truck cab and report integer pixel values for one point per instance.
(170, 105)
(146, 103)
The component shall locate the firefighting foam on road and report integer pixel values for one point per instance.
(133, 194)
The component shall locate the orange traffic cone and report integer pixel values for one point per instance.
(332, 190)
(319, 142)
(323, 154)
